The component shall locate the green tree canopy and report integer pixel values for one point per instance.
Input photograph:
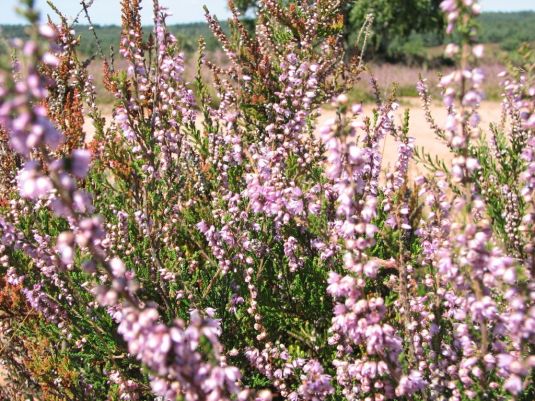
(395, 21)
(400, 26)
(244, 5)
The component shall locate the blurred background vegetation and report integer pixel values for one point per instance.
(409, 35)
(407, 40)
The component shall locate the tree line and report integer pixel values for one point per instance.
(403, 31)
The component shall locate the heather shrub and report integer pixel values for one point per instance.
(212, 242)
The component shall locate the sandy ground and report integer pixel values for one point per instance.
(419, 128)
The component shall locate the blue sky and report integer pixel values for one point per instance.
(108, 11)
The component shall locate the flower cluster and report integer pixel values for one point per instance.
(56, 179)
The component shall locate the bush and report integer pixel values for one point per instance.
(409, 50)
(228, 249)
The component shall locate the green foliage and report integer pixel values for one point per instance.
(186, 34)
(508, 29)
(411, 50)
(395, 22)
(244, 5)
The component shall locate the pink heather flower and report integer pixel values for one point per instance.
(530, 123)
(316, 385)
(342, 99)
(448, 79)
(451, 50)
(82, 202)
(47, 31)
(472, 98)
(478, 76)
(51, 60)
(31, 183)
(478, 50)
(472, 164)
(410, 384)
(451, 123)
(65, 247)
(448, 6)
(29, 48)
(41, 302)
(13, 278)
(513, 384)
(80, 161)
